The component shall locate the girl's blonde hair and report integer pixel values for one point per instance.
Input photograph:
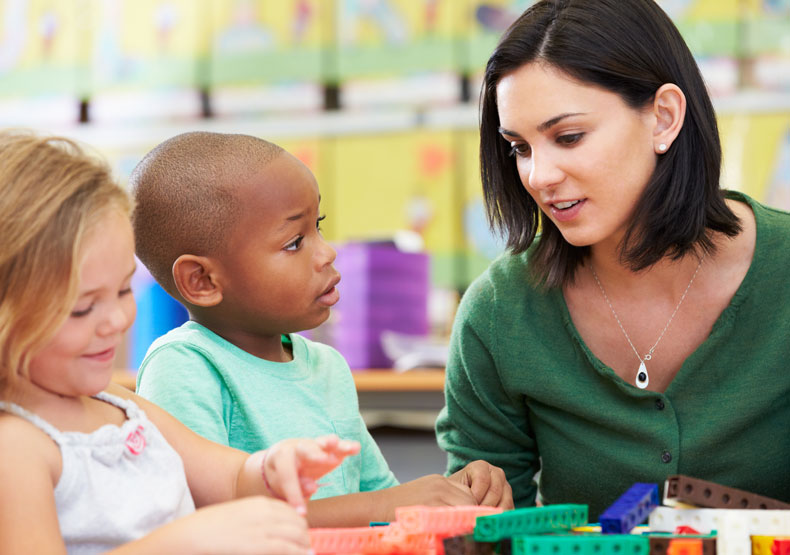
(51, 192)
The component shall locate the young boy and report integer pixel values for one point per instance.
(229, 226)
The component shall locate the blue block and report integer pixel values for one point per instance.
(630, 509)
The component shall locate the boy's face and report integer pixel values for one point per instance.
(278, 268)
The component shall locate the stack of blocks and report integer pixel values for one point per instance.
(762, 527)
(381, 288)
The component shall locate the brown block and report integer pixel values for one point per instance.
(715, 496)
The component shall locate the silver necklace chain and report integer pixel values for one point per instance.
(642, 377)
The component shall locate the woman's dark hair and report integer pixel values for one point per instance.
(631, 48)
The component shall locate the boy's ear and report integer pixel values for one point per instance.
(195, 279)
(669, 108)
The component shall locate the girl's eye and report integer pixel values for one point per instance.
(571, 139)
(295, 244)
(124, 292)
(522, 150)
(81, 313)
(318, 222)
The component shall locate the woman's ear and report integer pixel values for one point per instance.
(196, 280)
(669, 109)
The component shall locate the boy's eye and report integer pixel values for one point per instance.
(318, 222)
(520, 149)
(295, 244)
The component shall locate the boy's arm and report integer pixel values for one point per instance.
(185, 383)
(360, 509)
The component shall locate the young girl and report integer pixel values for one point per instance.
(93, 469)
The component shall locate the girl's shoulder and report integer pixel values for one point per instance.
(25, 447)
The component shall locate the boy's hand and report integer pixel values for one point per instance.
(292, 467)
(433, 490)
(487, 482)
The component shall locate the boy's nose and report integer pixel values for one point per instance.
(327, 253)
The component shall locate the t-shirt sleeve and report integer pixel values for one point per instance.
(376, 473)
(184, 382)
(481, 420)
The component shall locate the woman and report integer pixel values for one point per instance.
(639, 334)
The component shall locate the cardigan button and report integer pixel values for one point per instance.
(660, 404)
(666, 457)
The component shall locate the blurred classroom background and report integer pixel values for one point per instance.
(379, 99)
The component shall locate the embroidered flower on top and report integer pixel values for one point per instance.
(135, 441)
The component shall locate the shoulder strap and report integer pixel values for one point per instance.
(34, 419)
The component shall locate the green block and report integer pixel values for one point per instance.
(531, 520)
(622, 544)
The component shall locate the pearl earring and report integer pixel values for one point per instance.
(662, 147)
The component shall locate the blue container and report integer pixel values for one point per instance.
(157, 313)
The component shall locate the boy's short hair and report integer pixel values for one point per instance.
(185, 192)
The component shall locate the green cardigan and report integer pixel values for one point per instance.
(525, 393)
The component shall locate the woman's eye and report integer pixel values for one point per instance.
(571, 139)
(124, 292)
(519, 149)
(295, 244)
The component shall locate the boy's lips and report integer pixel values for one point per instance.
(331, 295)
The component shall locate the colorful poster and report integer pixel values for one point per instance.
(268, 41)
(756, 156)
(384, 38)
(38, 47)
(144, 44)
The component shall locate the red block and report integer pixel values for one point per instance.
(449, 521)
(685, 530)
(685, 547)
(781, 547)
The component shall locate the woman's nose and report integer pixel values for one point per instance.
(543, 172)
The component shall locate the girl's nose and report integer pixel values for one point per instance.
(119, 318)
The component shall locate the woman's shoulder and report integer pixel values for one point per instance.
(504, 285)
(772, 222)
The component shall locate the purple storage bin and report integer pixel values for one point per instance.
(381, 288)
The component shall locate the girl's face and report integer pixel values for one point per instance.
(79, 358)
(581, 153)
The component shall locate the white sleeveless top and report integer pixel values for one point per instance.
(118, 483)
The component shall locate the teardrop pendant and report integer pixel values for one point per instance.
(642, 378)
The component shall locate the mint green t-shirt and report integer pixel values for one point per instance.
(524, 391)
(234, 398)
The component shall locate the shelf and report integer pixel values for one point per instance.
(373, 380)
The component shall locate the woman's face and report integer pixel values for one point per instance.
(581, 153)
